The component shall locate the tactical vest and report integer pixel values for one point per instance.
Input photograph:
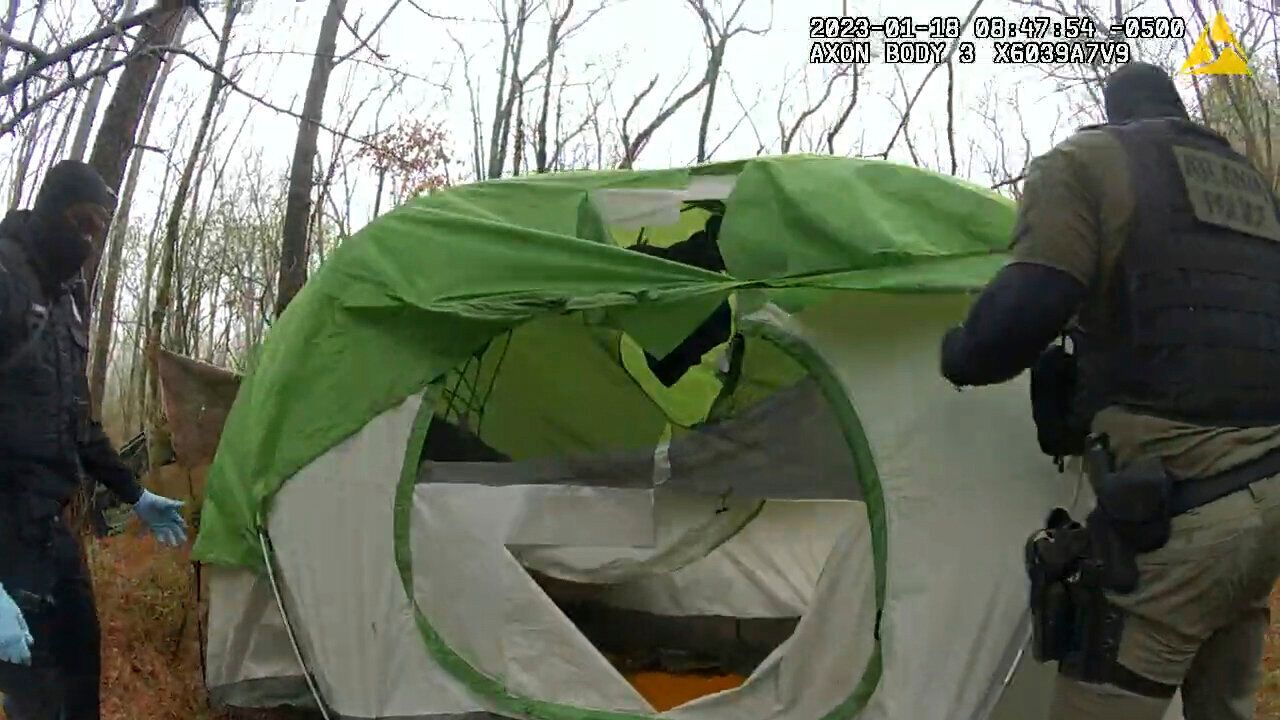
(44, 390)
(1193, 328)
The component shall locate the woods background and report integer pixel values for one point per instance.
(247, 139)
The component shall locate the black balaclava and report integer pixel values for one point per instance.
(57, 247)
(1141, 91)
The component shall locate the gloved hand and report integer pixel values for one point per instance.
(15, 636)
(162, 515)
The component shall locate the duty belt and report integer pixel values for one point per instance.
(1192, 493)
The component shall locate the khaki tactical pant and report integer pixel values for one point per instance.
(1199, 616)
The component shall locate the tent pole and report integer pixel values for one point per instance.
(288, 627)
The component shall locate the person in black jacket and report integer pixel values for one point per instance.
(49, 635)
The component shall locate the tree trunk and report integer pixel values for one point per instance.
(293, 245)
(498, 126)
(10, 19)
(119, 232)
(517, 143)
(137, 364)
(553, 40)
(713, 78)
(51, 155)
(22, 168)
(80, 145)
(25, 152)
(115, 139)
(377, 199)
(158, 442)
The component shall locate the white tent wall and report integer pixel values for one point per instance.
(488, 609)
(808, 675)
(795, 557)
(331, 528)
(964, 485)
(770, 568)
(249, 661)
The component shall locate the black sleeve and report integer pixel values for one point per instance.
(103, 464)
(1017, 316)
(15, 299)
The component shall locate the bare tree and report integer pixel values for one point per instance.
(115, 250)
(42, 60)
(117, 133)
(6, 26)
(513, 81)
(951, 114)
(911, 102)
(716, 34)
(157, 435)
(293, 246)
(546, 154)
(477, 129)
(509, 84)
(633, 145)
(89, 112)
(787, 131)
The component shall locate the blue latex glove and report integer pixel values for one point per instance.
(163, 516)
(15, 636)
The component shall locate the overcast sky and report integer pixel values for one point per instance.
(630, 41)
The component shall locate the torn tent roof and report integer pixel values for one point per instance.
(423, 288)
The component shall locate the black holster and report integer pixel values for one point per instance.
(1059, 428)
(1053, 558)
(1133, 514)
(1073, 567)
(1073, 623)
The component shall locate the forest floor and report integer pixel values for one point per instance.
(151, 665)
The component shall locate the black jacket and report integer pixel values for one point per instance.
(47, 434)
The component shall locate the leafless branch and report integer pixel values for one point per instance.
(760, 143)
(591, 115)
(233, 85)
(446, 18)
(359, 61)
(906, 115)
(21, 46)
(744, 117)
(788, 135)
(906, 112)
(64, 53)
(844, 115)
(717, 36)
(633, 146)
(951, 113)
(1009, 181)
(540, 125)
(33, 106)
(364, 42)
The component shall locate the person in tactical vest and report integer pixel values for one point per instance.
(1153, 247)
(49, 635)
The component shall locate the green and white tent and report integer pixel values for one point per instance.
(814, 484)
